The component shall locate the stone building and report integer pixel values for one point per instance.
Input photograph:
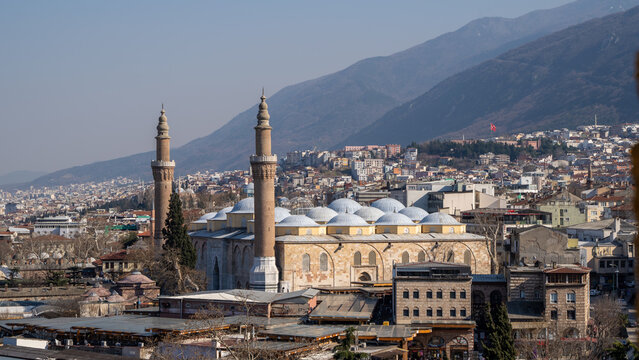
(540, 244)
(435, 296)
(331, 246)
(553, 300)
(163, 168)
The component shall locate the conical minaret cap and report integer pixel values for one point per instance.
(262, 115)
(163, 125)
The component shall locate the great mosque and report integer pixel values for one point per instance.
(259, 246)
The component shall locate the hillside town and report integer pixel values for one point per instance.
(422, 251)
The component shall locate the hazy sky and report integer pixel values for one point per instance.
(82, 81)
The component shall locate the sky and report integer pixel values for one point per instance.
(83, 81)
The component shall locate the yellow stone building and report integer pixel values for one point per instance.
(338, 245)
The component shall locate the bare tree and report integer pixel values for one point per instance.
(491, 227)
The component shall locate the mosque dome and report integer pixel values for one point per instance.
(347, 220)
(345, 206)
(281, 213)
(394, 219)
(414, 213)
(369, 214)
(321, 214)
(244, 206)
(221, 215)
(136, 277)
(207, 216)
(439, 218)
(388, 205)
(297, 221)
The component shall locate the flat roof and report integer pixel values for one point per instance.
(345, 307)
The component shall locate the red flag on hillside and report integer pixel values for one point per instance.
(493, 127)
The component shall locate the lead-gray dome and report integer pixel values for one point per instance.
(347, 220)
(414, 213)
(394, 219)
(321, 214)
(281, 214)
(345, 206)
(297, 221)
(203, 218)
(439, 218)
(370, 214)
(221, 215)
(244, 206)
(388, 205)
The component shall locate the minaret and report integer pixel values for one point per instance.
(163, 175)
(264, 273)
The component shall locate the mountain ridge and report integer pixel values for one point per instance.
(335, 106)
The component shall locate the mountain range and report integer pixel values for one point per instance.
(561, 80)
(349, 105)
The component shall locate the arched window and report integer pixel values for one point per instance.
(359, 231)
(462, 312)
(421, 256)
(553, 297)
(237, 260)
(571, 297)
(416, 312)
(453, 312)
(357, 258)
(405, 257)
(405, 230)
(467, 257)
(372, 258)
(495, 297)
(450, 257)
(451, 230)
(306, 263)
(309, 232)
(323, 262)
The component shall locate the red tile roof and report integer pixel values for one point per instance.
(117, 255)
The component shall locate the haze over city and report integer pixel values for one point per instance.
(91, 77)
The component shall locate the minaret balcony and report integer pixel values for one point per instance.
(161, 163)
(263, 159)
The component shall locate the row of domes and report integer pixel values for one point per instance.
(343, 212)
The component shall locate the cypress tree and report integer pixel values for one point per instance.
(491, 344)
(175, 233)
(504, 332)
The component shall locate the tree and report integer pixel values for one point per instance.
(343, 350)
(491, 227)
(175, 233)
(619, 350)
(492, 345)
(129, 239)
(504, 332)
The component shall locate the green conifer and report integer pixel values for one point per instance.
(175, 233)
(504, 332)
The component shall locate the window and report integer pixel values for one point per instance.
(453, 312)
(571, 314)
(429, 294)
(462, 312)
(386, 230)
(432, 229)
(553, 298)
(357, 258)
(440, 294)
(405, 230)
(440, 313)
(406, 294)
(522, 294)
(429, 312)
(338, 231)
(415, 312)
(462, 294)
(451, 230)
(406, 313)
(288, 232)
(405, 257)
(306, 263)
(309, 232)
(415, 294)
(571, 297)
(467, 257)
(453, 294)
(553, 314)
(421, 256)
(372, 258)
(359, 231)
(323, 262)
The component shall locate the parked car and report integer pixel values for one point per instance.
(595, 292)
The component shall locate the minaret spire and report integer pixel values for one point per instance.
(163, 169)
(264, 274)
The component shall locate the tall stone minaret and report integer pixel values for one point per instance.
(264, 273)
(163, 175)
